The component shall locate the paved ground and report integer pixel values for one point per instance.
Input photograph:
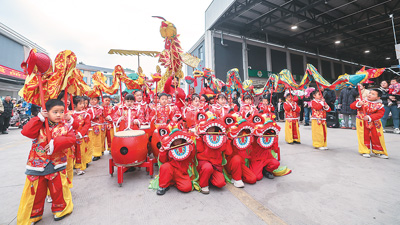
(337, 186)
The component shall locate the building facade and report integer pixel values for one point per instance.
(13, 49)
(257, 58)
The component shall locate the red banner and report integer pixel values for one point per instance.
(11, 72)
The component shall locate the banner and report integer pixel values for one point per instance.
(12, 73)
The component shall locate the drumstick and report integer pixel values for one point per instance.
(214, 133)
(272, 135)
(176, 146)
(245, 135)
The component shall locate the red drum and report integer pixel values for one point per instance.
(147, 130)
(129, 148)
(155, 143)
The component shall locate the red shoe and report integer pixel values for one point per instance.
(353, 128)
(343, 127)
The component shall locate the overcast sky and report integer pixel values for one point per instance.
(90, 28)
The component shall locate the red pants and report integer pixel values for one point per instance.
(208, 173)
(236, 166)
(34, 195)
(257, 166)
(170, 175)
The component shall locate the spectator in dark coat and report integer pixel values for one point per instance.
(6, 115)
(347, 96)
(329, 96)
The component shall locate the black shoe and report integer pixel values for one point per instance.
(102, 153)
(87, 165)
(268, 174)
(296, 142)
(60, 218)
(161, 191)
(4, 132)
(306, 124)
(290, 143)
(96, 158)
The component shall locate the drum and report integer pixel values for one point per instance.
(155, 143)
(147, 130)
(129, 148)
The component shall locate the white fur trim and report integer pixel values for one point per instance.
(41, 117)
(358, 105)
(40, 169)
(369, 119)
(60, 165)
(51, 147)
(79, 134)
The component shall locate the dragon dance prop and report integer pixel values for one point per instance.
(172, 56)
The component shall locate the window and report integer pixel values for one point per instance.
(85, 79)
(92, 72)
(201, 53)
(82, 71)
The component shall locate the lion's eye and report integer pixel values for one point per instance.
(163, 132)
(256, 119)
(229, 120)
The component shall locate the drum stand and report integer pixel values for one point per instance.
(149, 164)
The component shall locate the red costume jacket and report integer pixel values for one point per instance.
(247, 108)
(108, 112)
(219, 110)
(82, 123)
(214, 156)
(127, 117)
(269, 109)
(319, 109)
(189, 114)
(161, 114)
(62, 138)
(142, 111)
(374, 110)
(180, 97)
(292, 110)
(183, 166)
(97, 115)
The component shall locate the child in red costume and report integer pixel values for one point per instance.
(319, 108)
(240, 140)
(108, 114)
(81, 126)
(171, 87)
(126, 117)
(97, 115)
(190, 112)
(46, 166)
(221, 108)
(247, 108)
(369, 127)
(163, 113)
(262, 162)
(211, 145)
(142, 108)
(176, 154)
(292, 110)
(266, 107)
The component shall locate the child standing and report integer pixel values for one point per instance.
(247, 108)
(319, 108)
(163, 113)
(108, 113)
(81, 126)
(46, 165)
(96, 113)
(292, 110)
(266, 107)
(369, 126)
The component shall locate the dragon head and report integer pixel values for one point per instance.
(167, 29)
(176, 141)
(212, 129)
(266, 130)
(240, 131)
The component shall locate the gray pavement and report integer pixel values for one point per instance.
(336, 186)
